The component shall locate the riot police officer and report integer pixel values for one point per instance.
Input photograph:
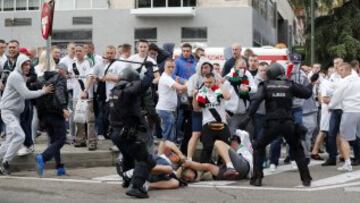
(130, 132)
(278, 94)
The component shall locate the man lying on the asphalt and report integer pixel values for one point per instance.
(236, 164)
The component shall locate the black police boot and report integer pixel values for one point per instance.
(256, 182)
(5, 169)
(138, 192)
(306, 183)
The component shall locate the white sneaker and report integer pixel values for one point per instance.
(293, 165)
(114, 148)
(345, 168)
(26, 150)
(272, 167)
(101, 137)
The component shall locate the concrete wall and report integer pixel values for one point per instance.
(123, 4)
(115, 26)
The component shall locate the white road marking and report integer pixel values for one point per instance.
(288, 167)
(51, 179)
(338, 179)
(352, 189)
(108, 178)
(213, 183)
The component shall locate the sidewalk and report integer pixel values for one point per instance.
(72, 157)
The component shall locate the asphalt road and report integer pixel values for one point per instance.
(103, 185)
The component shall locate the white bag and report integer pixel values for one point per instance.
(233, 103)
(81, 109)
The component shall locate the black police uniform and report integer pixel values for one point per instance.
(278, 95)
(130, 130)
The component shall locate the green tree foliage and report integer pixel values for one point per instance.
(337, 35)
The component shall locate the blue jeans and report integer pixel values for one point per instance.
(275, 148)
(55, 128)
(334, 127)
(167, 124)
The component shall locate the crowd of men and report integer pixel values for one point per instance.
(236, 110)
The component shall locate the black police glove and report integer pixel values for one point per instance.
(314, 77)
(244, 122)
(149, 65)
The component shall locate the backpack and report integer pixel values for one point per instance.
(49, 103)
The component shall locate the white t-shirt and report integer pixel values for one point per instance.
(138, 58)
(167, 94)
(68, 61)
(3, 59)
(114, 69)
(213, 103)
(84, 71)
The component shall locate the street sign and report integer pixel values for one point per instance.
(47, 14)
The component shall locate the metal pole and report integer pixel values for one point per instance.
(48, 52)
(312, 50)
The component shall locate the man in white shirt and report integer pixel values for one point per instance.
(3, 57)
(69, 59)
(82, 70)
(347, 96)
(210, 99)
(335, 117)
(166, 106)
(93, 58)
(243, 83)
(106, 75)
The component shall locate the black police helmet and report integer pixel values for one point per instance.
(275, 71)
(129, 74)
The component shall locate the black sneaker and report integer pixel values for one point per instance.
(329, 162)
(256, 182)
(137, 192)
(306, 183)
(355, 162)
(5, 169)
(287, 160)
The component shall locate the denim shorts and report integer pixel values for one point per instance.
(167, 124)
(196, 121)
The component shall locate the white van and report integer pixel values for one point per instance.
(268, 54)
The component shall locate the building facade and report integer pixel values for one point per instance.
(211, 23)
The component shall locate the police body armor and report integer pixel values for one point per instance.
(278, 99)
(125, 109)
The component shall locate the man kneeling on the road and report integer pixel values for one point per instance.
(237, 160)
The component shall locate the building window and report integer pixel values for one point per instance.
(13, 22)
(194, 34)
(64, 5)
(61, 38)
(82, 20)
(174, 3)
(146, 33)
(189, 3)
(100, 3)
(34, 4)
(21, 5)
(9, 5)
(81, 4)
(164, 3)
(149, 34)
(159, 3)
